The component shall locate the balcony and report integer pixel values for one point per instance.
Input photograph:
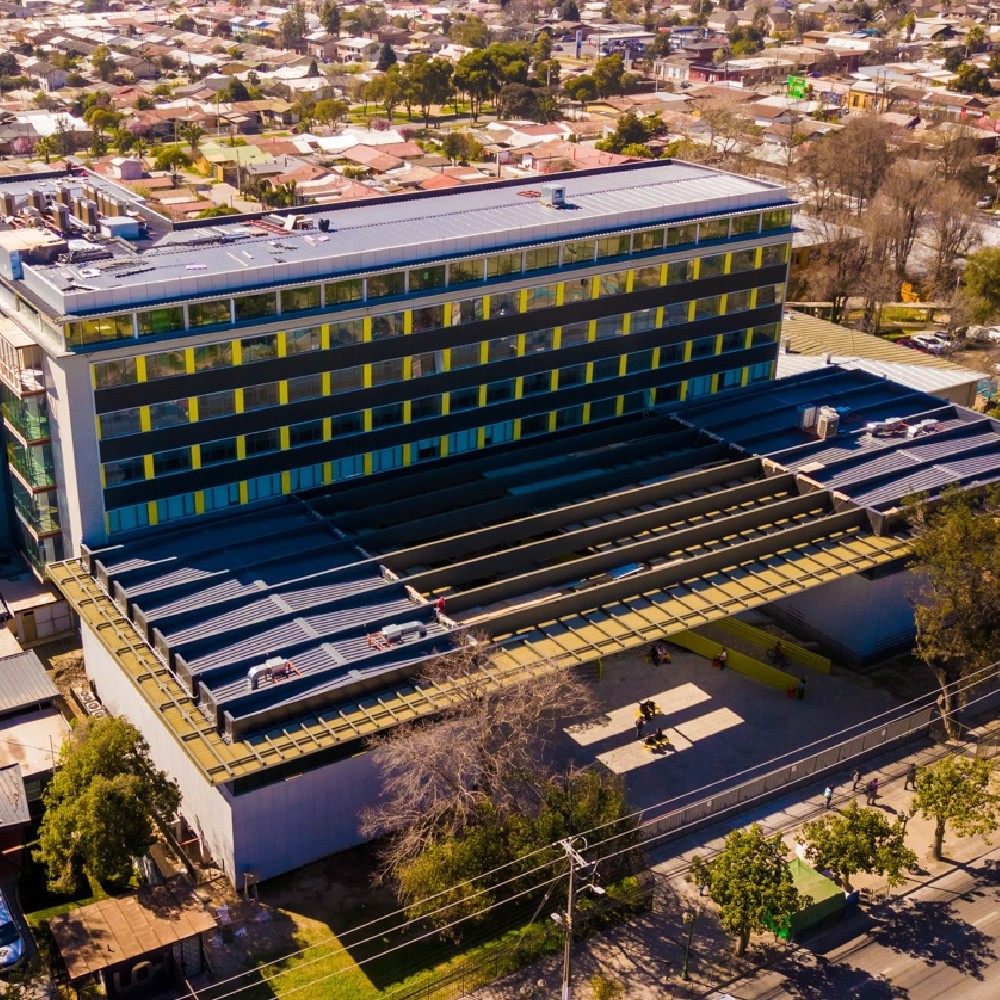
(32, 464)
(20, 361)
(27, 417)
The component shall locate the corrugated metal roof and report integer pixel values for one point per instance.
(13, 800)
(24, 683)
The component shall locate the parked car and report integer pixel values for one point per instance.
(985, 202)
(11, 945)
(912, 344)
(933, 343)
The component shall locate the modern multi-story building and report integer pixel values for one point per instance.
(154, 374)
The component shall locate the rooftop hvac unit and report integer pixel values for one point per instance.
(553, 195)
(404, 631)
(806, 416)
(36, 199)
(827, 423)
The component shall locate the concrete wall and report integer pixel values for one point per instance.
(303, 818)
(858, 618)
(204, 806)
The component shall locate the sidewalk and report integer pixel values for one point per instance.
(647, 954)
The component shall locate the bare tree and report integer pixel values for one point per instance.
(488, 751)
(877, 281)
(902, 203)
(732, 132)
(843, 260)
(953, 230)
(817, 174)
(860, 157)
(954, 152)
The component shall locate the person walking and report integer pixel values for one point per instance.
(638, 727)
(721, 658)
(827, 795)
(855, 779)
(911, 777)
(802, 688)
(872, 791)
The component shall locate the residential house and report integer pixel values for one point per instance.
(49, 77)
(357, 50)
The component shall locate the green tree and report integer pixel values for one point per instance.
(44, 148)
(8, 64)
(330, 111)
(570, 11)
(101, 806)
(973, 80)
(958, 791)
(329, 15)
(956, 553)
(103, 63)
(192, 134)
(386, 90)
(858, 840)
(235, 91)
(608, 74)
(471, 32)
(473, 76)
(386, 58)
(750, 881)
(185, 23)
(427, 81)
(460, 146)
(581, 88)
(293, 26)
(981, 279)
(631, 130)
(172, 158)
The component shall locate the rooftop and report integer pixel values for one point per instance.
(249, 253)
(13, 800)
(24, 683)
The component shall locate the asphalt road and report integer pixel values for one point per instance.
(938, 941)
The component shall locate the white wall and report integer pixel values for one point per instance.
(204, 806)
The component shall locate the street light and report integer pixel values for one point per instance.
(689, 917)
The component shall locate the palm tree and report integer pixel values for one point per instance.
(193, 134)
(45, 147)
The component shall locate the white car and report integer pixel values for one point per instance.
(932, 342)
(11, 945)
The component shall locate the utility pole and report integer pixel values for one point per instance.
(576, 861)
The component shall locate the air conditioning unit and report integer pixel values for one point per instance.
(806, 416)
(404, 631)
(553, 195)
(827, 423)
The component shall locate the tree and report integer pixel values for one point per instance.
(608, 73)
(386, 90)
(185, 23)
(192, 134)
(581, 88)
(903, 198)
(858, 840)
(750, 881)
(471, 32)
(386, 58)
(570, 11)
(293, 26)
(330, 111)
(427, 82)
(172, 158)
(473, 76)
(859, 158)
(460, 146)
(8, 64)
(981, 279)
(44, 148)
(329, 15)
(102, 804)
(956, 553)
(952, 230)
(480, 766)
(957, 791)
(103, 63)
(631, 130)
(972, 80)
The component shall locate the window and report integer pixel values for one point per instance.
(668, 393)
(606, 368)
(128, 518)
(678, 236)
(572, 375)
(675, 313)
(502, 348)
(767, 295)
(465, 272)
(427, 449)
(538, 423)
(746, 225)
(425, 407)
(220, 497)
(640, 361)
(712, 267)
(209, 313)
(612, 284)
(504, 304)
(347, 423)
(503, 264)
(534, 384)
(713, 229)
(778, 218)
(263, 487)
(464, 399)
(345, 379)
(217, 404)
(578, 252)
(635, 402)
(670, 354)
(387, 371)
(571, 416)
(541, 258)
(428, 318)
(541, 298)
(217, 452)
(262, 442)
(679, 271)
(462, 441)
(574, 334)
(165, 365)
(743, 260)
(760, 372)
(306, 478)
(386, 459)
(303, 341)
(92, 331)
(734, 340)
(738, 301)
(385, 286)
(643, 320)
(613, 246)
(305, 387)
(701, 386)
(251, 307)
(340, 293)
(777, 254)
(730, 379)
(499, 433)
(348, 468)
(464, 356)
(603, 409)
(764, 335)
(707, 307)
(387, 416)
(174, 508)
(166, 463)
(610, 326)
(500, 392)
(256, 397)
(425, 279)
(166, 320)
(260, 348)
(111, 373)
(387, 325)
(213, 356)
(469, 311)
(120, 423)
(647, 277)
(168, 414)
(536, 341)
(125, 470)
(576, 291)
(703, 347)
(346, 332)
(309, 432)
(647, 242)
(428, 364)
(295, 300)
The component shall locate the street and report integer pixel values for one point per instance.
(937, 940)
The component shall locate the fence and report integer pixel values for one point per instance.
(791, 776)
